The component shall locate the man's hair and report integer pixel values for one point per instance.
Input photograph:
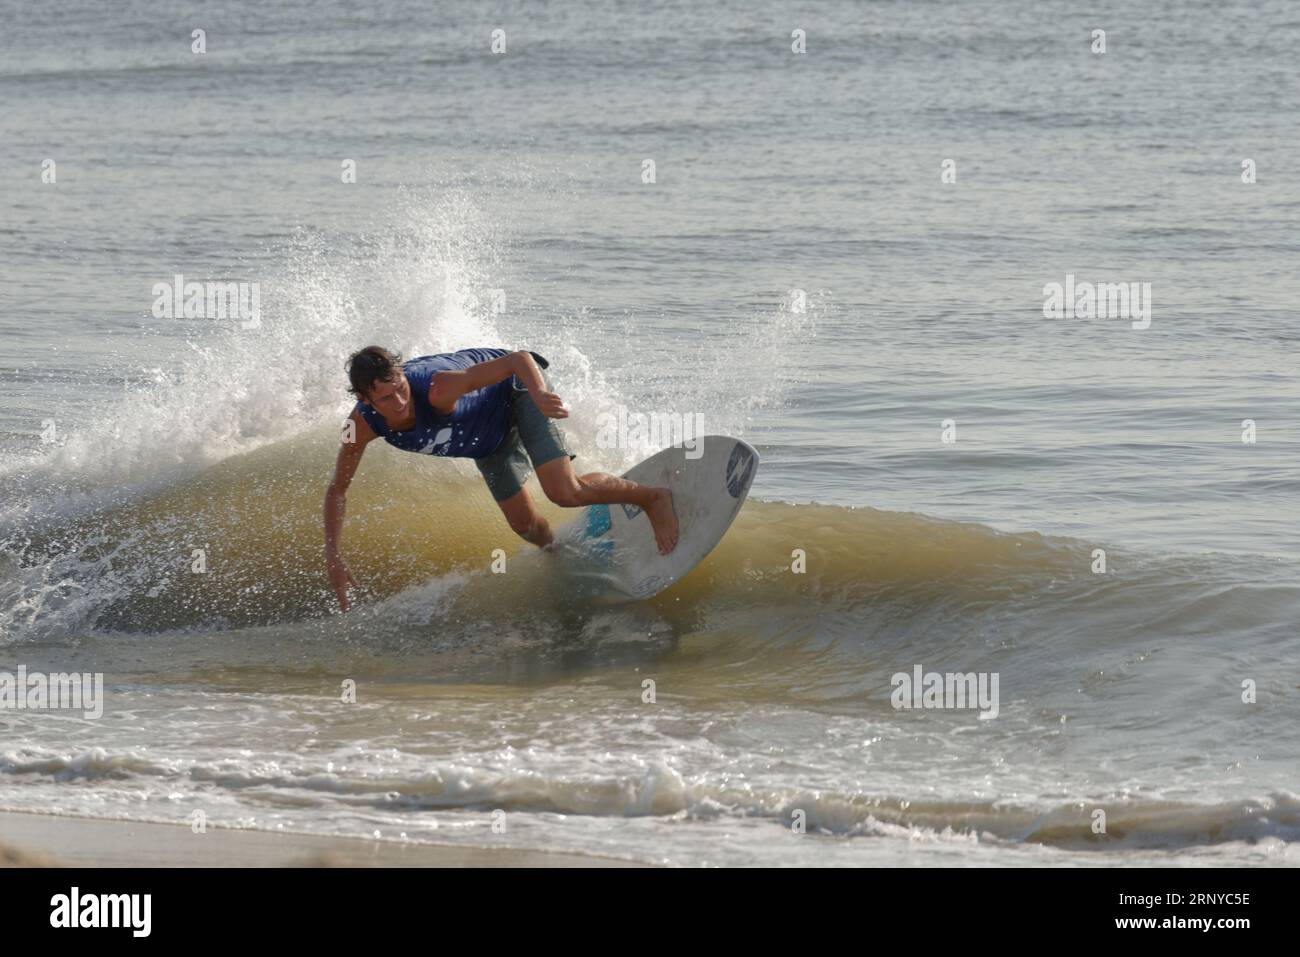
(372, 364)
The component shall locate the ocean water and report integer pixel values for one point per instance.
(801, 276)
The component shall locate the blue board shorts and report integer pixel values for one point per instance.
(532, 436)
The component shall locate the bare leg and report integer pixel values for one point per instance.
(524, 519)
(568, 490)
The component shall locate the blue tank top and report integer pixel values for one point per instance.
(475, 427)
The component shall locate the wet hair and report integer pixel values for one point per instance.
(370, 365)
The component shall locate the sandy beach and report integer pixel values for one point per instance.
(39, 840)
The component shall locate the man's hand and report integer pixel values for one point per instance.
(340, 578)
(552, 405)
(526, 372)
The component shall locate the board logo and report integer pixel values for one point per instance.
(739, 470)
(648, 586)
(597, 525)
(631, 511)
(597, 521)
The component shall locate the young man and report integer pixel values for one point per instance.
(486, 404)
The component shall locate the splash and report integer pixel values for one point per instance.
(413, 284)
(225, 455)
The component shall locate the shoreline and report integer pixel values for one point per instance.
(33, 839)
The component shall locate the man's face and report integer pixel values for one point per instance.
(391, 398)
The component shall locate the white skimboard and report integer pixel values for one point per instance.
(610, 549)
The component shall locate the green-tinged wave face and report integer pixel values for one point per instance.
(241, 544)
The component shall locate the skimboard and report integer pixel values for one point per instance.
(610, 549)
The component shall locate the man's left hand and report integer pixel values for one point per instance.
(552, 405)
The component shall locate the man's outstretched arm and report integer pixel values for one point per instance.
(345, 467)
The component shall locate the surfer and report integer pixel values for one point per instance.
(489, 405)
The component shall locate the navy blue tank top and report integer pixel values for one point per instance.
(475, 427)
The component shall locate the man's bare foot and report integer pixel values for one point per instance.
(663, 519)
(540, 534)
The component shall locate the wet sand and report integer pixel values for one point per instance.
(39, 840)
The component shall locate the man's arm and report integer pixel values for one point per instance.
(335, 503)
(446, 387)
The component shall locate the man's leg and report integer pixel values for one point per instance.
(568, 490)
(506, 471)
(524, 519)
